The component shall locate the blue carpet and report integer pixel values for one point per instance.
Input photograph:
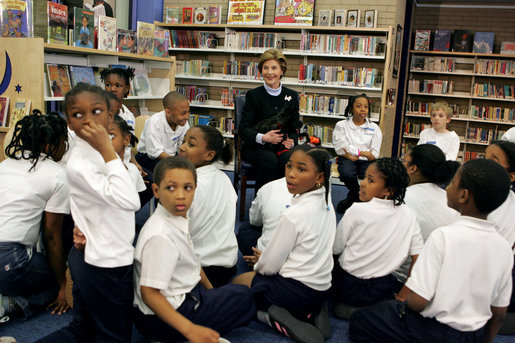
(40, 325)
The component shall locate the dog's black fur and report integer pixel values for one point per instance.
(286, 120)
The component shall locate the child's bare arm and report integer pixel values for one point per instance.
(415, 301)
(165, 311)
(204, 281)
(494, 324)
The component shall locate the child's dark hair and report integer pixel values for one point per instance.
(322, 161)
(125, 128)
(173, 162)
(487, 181)
(82, 87)
(127, 74)
(431, 162)
(172, 98)
(352, 100)
(215, 141)
(395, 177)
(509, 149)
(35, 132)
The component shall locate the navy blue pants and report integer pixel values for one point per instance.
(268, 165)
(148, 164)
(349, 173)
(393, 321)
(102, 304)
(30, 281)
(362, 292)
(299, 299)
(247, 237)
(221, 309)
(219, 276)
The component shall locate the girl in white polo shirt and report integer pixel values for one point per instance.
(35, 197)
(357, 141)
(292, 277)
(375, 236)
(213, 210)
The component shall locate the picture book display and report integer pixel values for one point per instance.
(371, 18)
(57, 23)
(507, 48)
(353, 18)
(145, 36)
(54, 80)
(200, 16)
(325, 17)
(4, 111)
(127, 41)
(442, 40)
(246, 12)
(296, 13)
(64, 78)
(107, 36)
(83, 29)
(214, 14)
(82, 74)
(340, 17)
(187, 15)
(172, 15)
(483, 42)
(19, 109)
(462, 41)
(422, 40)
(161, 43)
(141, 83)
(14, 18)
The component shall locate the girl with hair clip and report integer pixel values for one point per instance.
(292, 276)
(357, 141)
(35, 197)
(374, 238)
(211, 215)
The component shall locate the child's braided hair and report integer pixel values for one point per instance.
(395, 176)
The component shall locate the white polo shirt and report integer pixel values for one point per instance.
(504, 218)
(271, 200)
(164, 259)
(509, 135)
(463, 269)
(26, 195)
(300, 247)
(429, 204)
(349, 136)
(136, 177)
(213, 215)
(128, 116)
(449, 142)
(374, 238)
(158, 136)
(103, 199)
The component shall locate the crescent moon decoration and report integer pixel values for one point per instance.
(7, 74)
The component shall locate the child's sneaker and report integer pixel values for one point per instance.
(344, 311)
(322, 322)
(288, 325)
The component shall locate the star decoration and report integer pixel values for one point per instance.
(18, 88)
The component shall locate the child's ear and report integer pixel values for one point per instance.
(126, 140)
(209, 155)
(464, 196)
(155, 190)
(448, 120)
(320, 178)
(412, 169)
(512, 176)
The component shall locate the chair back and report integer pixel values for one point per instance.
(139, 125)
(239, 103)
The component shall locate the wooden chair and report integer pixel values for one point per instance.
(244, 172)
(138, 127)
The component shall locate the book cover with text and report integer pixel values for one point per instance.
(83, 29)
(145, 35)
(57, 23)
(442, 41)
(107, 36)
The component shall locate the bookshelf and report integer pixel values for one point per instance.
(212, 57)
(479, 87)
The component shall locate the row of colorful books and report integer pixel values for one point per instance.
(472, 155)
(480, 135)
(351, 76)
(193, 67)
(61, 78)
(431, 63)
(192, 39)
(241, 70)
(325, 133)
(193, 93)
(495, 67)
(343, 44)
(350, 18)
(228, 95)
(190, 15)
(430, 86)
(414, 129)
(322, 104)
(252, 40)
(424, 108)
(10, 113)
(492, 113)
(226, 125)
(200, 119)
(491, 90)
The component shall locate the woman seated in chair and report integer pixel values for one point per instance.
(270, 120)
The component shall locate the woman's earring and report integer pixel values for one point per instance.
(318, 185)
(386, 197)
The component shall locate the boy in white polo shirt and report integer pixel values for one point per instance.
(438, 134)
(460, 286)
(164, 131)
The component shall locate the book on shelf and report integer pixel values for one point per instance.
(325, 17)
(142, 83)
(337, 75)
(172, 15)
(495, 67)
(430, 86)
(296, 13)
(442, 40)
(353, 18)
(187, 15)
(462, 41)
(127, 41)
(4, 111)
(422, 40)
(200, 15)
(483, 42)
(161, 42)
(199, 119)
(490, 90)
(492, 113)
(145, 35)
(40, 19)
(64, 77)
(325, 133)
(19, 109)
(82, 74)
(15, 19)
(83, 29)
(251, 40)
(371, 18)
(340, 17)
(481, 135)
(107, 36)
(472, 155)
(246, 12)
(57, 23)
(343, 44)
(54, 80)
(433, 63)
(193, 93)
(214, 13)
(507, 48)
(322, 104)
